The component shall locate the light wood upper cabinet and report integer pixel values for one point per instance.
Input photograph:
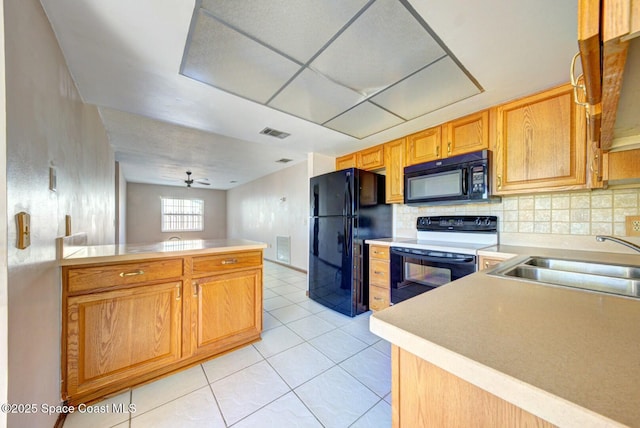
(540, 143)
(464, 135)
(394, 155)
(346, 161)
(467, 134)
(371, 158)
(424, 146)
(114, 335)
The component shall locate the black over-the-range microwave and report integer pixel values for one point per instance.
(458, 179)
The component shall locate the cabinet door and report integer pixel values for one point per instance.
(467, 134)
(346, 161)
(394, 156)
(424, 146)
(116, 335)
(226, 310)
(370, 159)
(540, 143)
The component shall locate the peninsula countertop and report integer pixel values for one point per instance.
(86, 254)
(569, 356)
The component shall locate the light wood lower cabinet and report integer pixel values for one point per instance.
(226, 310)
(379, 278)
(151, 318)
(114, 335)
(424, 395)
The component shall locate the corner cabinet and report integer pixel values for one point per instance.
(540, 144)
(128, 323)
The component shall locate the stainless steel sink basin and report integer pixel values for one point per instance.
(601, 277)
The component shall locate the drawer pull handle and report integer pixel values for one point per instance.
(230, 261)
(126, 274)
(377, 272)
(195, 289)
(377, 298)
(179, 295)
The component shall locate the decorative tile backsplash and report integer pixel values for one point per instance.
(570, 213)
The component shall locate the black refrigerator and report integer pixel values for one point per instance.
(347, 207)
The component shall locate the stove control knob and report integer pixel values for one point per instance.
(478, 221)
(487, 221)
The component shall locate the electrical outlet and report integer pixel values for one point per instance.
(633, 225)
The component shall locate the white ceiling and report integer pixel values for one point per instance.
(126, 55)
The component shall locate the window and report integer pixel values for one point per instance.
(182, 215)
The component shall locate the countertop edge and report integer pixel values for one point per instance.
(547, 406)
(76, 260)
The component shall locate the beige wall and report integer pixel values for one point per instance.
(143, 212)
(47, 124)
(274, 205)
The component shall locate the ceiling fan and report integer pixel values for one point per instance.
(190, 180)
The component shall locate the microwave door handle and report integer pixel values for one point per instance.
(465, 181)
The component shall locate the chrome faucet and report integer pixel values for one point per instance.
(602, 238)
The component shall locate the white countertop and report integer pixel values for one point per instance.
(571, 357)
(83, 254)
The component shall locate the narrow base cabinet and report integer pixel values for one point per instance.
(424, 395)
(379, 282)
(128, 323)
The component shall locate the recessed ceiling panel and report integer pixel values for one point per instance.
(222, 57)
(434, 87)
(313, 97)
(298, 29)
(382, 46)
(364, 120)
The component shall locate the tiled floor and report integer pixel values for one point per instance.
(313, 368)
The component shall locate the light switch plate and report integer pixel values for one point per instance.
(633, 225)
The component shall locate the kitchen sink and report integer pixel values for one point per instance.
(602, 277)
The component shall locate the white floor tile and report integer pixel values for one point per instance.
(99, 420)
(378, 417)
(384, 347)
(290, 313)
(297, 296)
(285, 289)
(311, 306)
(268, 294)
(372, 368)
(228, 364)
(248, 390)
(169, 388)
(335, 318)
(338, 345)
(299, 364)
(387, 398)
(275, 303)
(336, 398)
(197, 409)
(310, 327)
(287, 411)
(359, 328)
(269, 321)
(277, 340)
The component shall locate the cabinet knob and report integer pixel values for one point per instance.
(499, 181)
(449, 148)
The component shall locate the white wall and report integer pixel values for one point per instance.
(274, 205)
(121, 206)
(144, 216)
(47, 124)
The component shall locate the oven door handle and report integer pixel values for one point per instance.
(470, 259)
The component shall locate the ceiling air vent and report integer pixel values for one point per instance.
(284, 160)
(274, 133)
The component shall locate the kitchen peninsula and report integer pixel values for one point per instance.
(491, 351)
(133, 313)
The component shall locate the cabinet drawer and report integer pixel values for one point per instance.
(92, 278)
(379, 252)
(226, 261)
(378, 298)
(379, 273)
